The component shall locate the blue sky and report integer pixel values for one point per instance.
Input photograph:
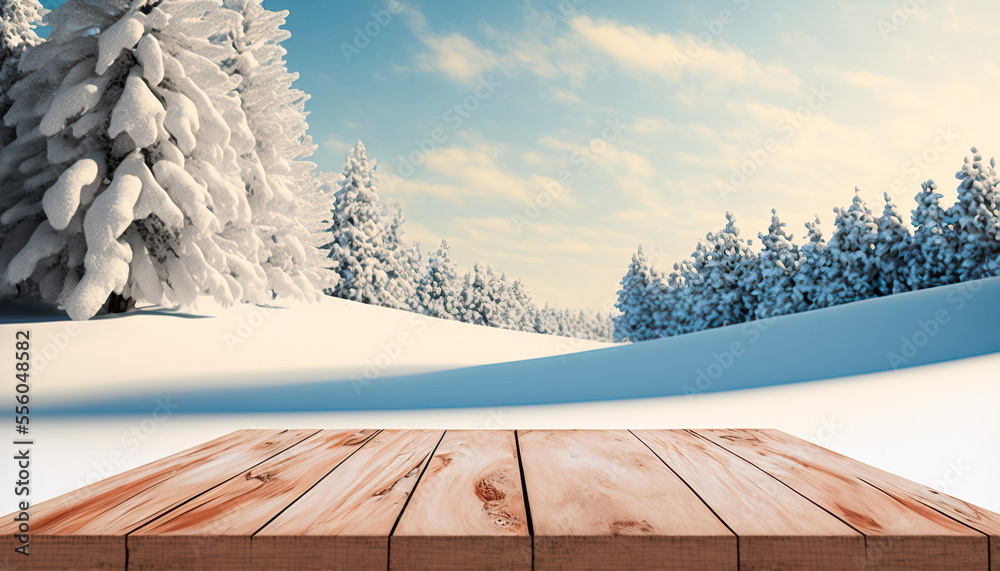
(657, 117)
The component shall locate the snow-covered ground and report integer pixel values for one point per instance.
(935, 423)
(246, 345)
(346, 356)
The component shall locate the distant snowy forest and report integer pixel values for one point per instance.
(726, 282)
(155, 151)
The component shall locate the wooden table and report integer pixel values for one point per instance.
(507, 500)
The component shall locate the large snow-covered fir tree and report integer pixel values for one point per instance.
(724, 263)
(275, 169)
(851, 273)
(18, 19)
(932, 258)
(892, 251)
(357, 250)
(637, 301)
(772, 281)
(438, 288)
(976, 219)
(126, 170)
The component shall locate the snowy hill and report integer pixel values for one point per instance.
(881, 334)
(927, 422)
(244, 346)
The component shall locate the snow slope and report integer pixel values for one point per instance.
(935, 424)
(159, 349)
(903, 330)
(932, 423)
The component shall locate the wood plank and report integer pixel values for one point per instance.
(977, 518)
(467, 512)
(86, 528)
(776, 527)
(901, 533)
(345, 521)
(601, 500)
(214, 531)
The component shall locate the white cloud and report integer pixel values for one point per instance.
(674, 57)
(458, 174)
(456, 57)
(336, 145)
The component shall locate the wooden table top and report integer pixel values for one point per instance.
(506, 500)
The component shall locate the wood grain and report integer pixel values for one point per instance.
(977, 518)
(467, 510)
(421, 500)
(214, 532)
(601, 500)
(776, 527)
(901, 533)
(86, 528)
(344, 522)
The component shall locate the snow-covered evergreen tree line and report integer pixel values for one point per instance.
(375, 264)
(725, 281)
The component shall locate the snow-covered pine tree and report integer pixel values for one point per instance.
(520, 308)
(275, 108)
(681, 297)
(724, 263)
(601, 327)
(811, 279)
(852, 273)
(772, 281)
(581, 324)
(438, 288)
(478, 297)
(976, 219)
(892, 251)
(317, 193)
(357, 249)
(635, 322)
(274, 169)
(546, 320)
(405, 260)
(18, 19)
(933, 254)
(126, 166)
